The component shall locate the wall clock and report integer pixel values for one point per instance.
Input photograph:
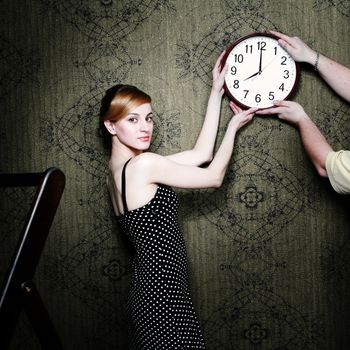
(259, 71)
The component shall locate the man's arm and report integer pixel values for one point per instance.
(315, 144)
(335, 74)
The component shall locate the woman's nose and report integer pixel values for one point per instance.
(145, 126)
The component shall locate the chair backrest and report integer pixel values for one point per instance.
(18, 291)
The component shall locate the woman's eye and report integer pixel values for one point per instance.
(132, 120)
(149, 119)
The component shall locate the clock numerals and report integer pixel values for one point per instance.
(238, 58)
(258, 97)
(261, 45)
(249, 49)
(260, 72)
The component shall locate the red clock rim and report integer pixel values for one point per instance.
(234, 44)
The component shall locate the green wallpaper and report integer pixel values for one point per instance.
(269, 252)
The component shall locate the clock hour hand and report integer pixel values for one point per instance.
(253, 75)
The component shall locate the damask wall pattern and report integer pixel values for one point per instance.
(269, 252)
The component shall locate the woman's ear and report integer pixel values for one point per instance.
(110, 126)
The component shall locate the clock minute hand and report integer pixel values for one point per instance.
(260, 63)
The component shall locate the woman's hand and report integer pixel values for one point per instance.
(219, 75)
(241, 117)
(296, 48)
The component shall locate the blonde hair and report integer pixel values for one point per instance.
(120, 100)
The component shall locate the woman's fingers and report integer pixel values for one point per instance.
(218, 62)
(235, 109)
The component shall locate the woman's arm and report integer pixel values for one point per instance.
(336, 75)
(157, 169)
(202, 152)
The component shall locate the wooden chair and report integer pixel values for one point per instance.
(18, 290)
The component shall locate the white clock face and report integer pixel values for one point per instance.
(260, 71)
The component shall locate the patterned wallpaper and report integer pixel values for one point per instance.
(269, 252)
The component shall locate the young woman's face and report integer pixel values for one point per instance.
(135, 130)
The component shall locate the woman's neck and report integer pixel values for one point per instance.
(121, 153)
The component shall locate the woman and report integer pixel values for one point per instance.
(160, 310)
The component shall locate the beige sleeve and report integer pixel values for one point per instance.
(338, 170)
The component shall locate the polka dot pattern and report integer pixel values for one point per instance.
(160, 309)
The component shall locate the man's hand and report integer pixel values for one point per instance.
(291, 112)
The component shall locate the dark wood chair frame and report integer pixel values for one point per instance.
(18, 290)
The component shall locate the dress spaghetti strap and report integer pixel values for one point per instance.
(125, 206)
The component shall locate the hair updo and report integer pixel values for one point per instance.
(120, 100)
(117, 103)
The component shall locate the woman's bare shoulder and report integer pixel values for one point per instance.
(146, 159)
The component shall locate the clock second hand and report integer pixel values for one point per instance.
(268, 64)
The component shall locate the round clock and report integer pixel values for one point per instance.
(259, 71)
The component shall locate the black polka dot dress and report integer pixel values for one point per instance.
(160, 310)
